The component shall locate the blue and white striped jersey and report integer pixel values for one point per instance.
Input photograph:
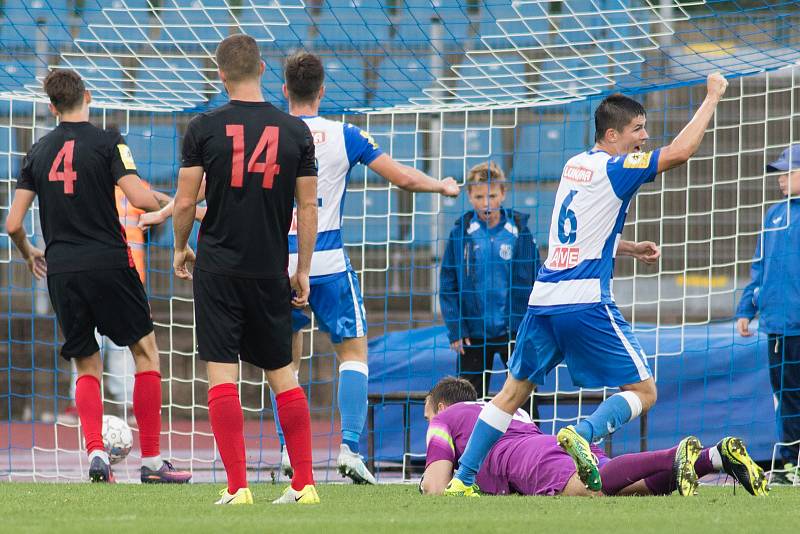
(339, 147)
(588, 217)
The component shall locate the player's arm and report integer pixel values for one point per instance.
(449, 291)
(155, 218)
(436, 477)
(644, 251)
(306, 199)
(688, 141)
(411, 179)
(189, 180)
(140, 196)
(748, 304)
(23, 198)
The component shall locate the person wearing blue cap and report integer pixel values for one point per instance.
(774, 294)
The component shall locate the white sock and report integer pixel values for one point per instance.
(102, 454)
(152, 462)
(715, 457)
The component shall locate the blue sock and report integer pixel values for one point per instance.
(612, 413)
(352, 398)
(491, 425)
(278, 428)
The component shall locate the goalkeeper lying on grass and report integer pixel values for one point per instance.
(526, 461)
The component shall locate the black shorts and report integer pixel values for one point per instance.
(111, 300)
(247, 318)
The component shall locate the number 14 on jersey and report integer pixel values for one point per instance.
(267, 145)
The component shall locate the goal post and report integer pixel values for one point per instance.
(441, 85)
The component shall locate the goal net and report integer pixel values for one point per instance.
(441, 85)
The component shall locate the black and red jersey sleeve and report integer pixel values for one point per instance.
(308, 159)
(192, 150)
(25, 178)
(122, 163)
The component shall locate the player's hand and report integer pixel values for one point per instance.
(153, 218)
(450, 187)
(36, 262)
(716, 85)
(458, 345)
(646, 251)
(743, 326)
(182, 260)
(302, 288)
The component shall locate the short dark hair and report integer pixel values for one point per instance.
(238, 57)
(451, 390)
(304, 75)
(65, 88)
(615, 111)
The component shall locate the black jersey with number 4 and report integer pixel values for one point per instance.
(73, 171)
(252, 154)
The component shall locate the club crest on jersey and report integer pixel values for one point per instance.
(126, 157)
(564, 258)
(637, 160)
(505, 251)
(319, 137)
(581, 175)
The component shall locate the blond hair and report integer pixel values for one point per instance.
(486, 172)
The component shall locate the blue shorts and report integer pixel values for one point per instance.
(338, 307)
(597, 344)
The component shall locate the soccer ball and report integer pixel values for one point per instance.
(117, 438)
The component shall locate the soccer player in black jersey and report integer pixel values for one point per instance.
(257, 160)
(90, 272)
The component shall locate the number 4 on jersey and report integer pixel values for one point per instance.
(68, 175)
(267, 145)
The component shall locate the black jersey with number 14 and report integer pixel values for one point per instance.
(73, 171)
(252, 154)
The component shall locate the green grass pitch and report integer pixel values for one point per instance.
(383, 509)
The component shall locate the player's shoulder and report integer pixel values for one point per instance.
(318, 121)
(632, 160)
(207, 116)
(111, 134)
(355, 135)
(775, 209)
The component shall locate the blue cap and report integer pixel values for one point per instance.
(790, 158)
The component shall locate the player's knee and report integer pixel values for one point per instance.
(145, 354)
(648, 397)
(90, 365)
(514, 394)
(352, 350)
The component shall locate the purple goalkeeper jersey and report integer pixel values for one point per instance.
(523, 461)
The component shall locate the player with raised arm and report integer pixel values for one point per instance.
(571, 311)
(91, 276)
(256, 160)
(335, 293)
(528, 462)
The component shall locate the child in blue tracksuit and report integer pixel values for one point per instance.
(774, 293)
(486, 276)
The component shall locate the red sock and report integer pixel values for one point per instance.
(296, 422)
(227, 424)
(147, 409)
(90, 411)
